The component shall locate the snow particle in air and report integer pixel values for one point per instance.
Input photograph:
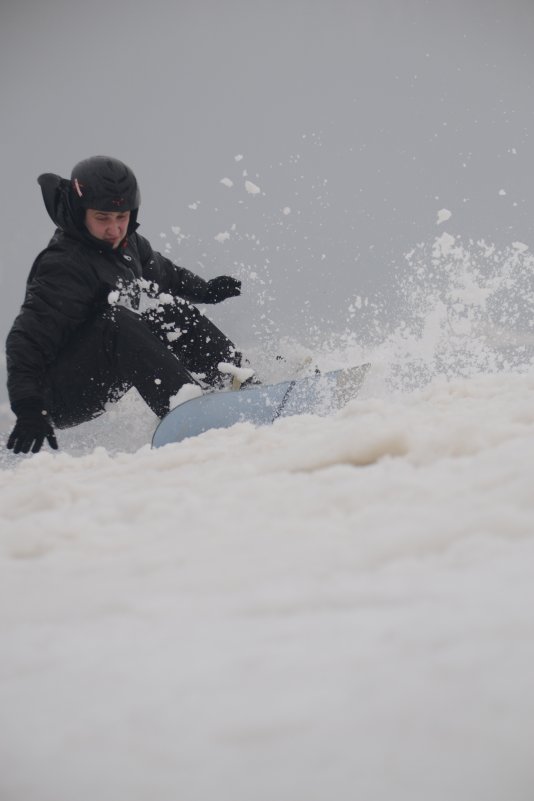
(251, 188)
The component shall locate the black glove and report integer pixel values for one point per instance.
(222, 287)
(33, 426)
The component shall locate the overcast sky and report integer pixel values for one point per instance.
(357, 119)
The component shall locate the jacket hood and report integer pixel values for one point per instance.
(61, 204)
(64, 209)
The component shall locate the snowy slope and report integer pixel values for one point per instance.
(328, 608)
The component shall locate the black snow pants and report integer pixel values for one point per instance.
(155, 352)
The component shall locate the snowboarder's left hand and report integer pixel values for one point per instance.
(222, 287)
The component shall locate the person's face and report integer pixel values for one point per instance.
(110, 226)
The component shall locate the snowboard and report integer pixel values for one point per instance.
(261, 404)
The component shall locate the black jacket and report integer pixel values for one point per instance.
(70, 282)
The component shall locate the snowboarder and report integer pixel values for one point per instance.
(103, 312)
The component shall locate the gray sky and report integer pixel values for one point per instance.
(359, 118)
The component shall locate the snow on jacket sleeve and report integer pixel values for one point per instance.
(59, 297)
(170, 277)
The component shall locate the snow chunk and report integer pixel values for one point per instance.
(443, 245)
(113, 297)
(520, 246)
(227, 182)
(222, 236)
(443, 216)
(239, 374)
(251, 188)
(177, 231)
(185, 393)
(286, 210)
(239, 157)
(502, 192)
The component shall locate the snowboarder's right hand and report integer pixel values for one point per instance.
(33, 426)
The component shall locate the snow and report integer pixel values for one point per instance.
(324, 608)
(444, 245)
(185, 393)
(239, 374)
(252, 188)
(443, 216)
(332, 607)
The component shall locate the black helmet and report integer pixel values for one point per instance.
(106, 184)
